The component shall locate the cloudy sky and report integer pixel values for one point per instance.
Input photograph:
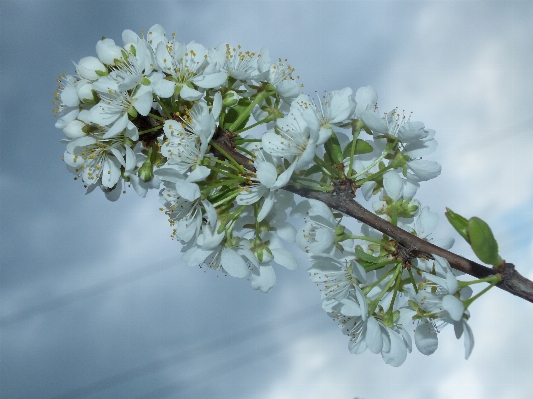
(95, 301)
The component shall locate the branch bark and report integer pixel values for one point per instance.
(343, 201)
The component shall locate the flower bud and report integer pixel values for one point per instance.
(146, 171)
(85, 92)
(230, 99)
(74, 129)
(90, 68)
(108, 51)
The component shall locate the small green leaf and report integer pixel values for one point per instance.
(458, 222)
(333, 149)
(361, 147)
(361, 254)
(483, 242)
(316, 168)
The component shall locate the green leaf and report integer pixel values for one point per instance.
(234, 112)
(316, 168)
(459, 223)
(361, 147)
(361, 254)
(483, 242)
(333, 149)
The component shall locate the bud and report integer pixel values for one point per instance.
(90, 68)
(146, 171)
(230, 99)
(74, 129)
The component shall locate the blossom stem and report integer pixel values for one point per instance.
(226, 199)
(228, 157)
(167, 111)
(327, 169)
(224, 182)
(356, 130)
(373, 176)
(388, 318)
(300, 185)
(412, 280)
(242, 117)
(225, 172)
(364, 238)
(251, 127)
(378, 160)
(225, 164)
(369, 288)
(158, 127)
(468, 302)
(311, 181)
(375, 302)
(239, 140)
(159, 118)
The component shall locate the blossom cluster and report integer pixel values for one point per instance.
(221, 132)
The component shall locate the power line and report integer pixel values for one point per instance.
(167, 361)
(221, 369)
(87, 292)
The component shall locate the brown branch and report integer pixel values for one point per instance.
(342, 201)
(512, 281)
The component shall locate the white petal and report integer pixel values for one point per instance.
(211, 80)
(393, 184)
(267, 207)
(143, 102)
(188, 191)
(365, 98)
(412, 131)
(374, 122)
(110, 172)
(284, 178)
(426, 339)
(453, 306)
(233, 263)
(397, 352)
(190, 94)
(373, 336)
(163, 88)
(424, 170)
(350, 308)
(426, 222)
(117, 127)
(198, 174)
(468, 340)
(266, 173)
(284, 258)
(263, 278)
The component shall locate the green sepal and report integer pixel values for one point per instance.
(234, 112)
(483, 242)
(333, 149)
(361, 147)
(458, 222)
(101, 73)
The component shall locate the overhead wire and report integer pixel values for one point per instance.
(253, 332)
(83, 293)
(224, 368)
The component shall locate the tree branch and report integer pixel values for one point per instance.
(512, 281)
(342, 201)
